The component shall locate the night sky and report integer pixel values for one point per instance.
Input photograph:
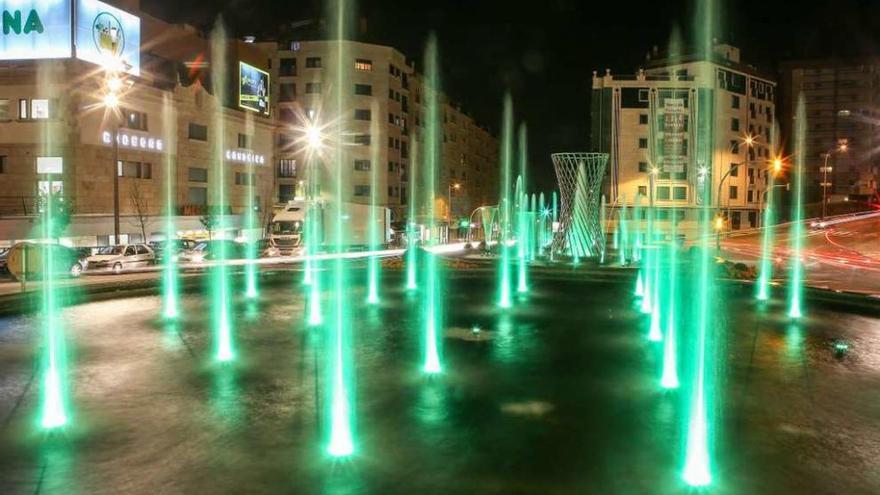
(544, 51)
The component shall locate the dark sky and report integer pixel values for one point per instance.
(544, 51)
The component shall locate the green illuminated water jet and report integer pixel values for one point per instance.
(766, 263)
(373, 265)
(697, 469)
(504, 297)
(669, 377)
(796, 280)
(522, 285)
(412, 254)
(53, 411)
(220, 299)
(624, 231)
(170, 296)
(431, 160)
(341, 437)
(250, 222)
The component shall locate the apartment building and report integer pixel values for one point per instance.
(645, 122)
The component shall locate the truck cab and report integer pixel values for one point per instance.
(286, 228)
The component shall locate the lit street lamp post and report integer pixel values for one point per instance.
(113, 86)
(842, 147)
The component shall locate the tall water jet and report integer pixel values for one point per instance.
(341, 438)
(796, 280)
(554, 224)
(412, 254)
(431, 160)
(522, 240)
(504, 299)
(312, 229)
(53, 410)
(220, 297)
(766, 264)
(637, 231)
(669, 376)
(655, 334)
(250, 221)
(373, 231)
(697, 469)
(170, 296)
(531, 225)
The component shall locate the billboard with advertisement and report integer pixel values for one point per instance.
(108, 36)
(253, 89)
(674, 134)
(35, 29)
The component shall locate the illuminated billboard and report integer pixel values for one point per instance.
(253, 89)
(34, 29)
(108, 36)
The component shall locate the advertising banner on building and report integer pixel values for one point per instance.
(674, 135)
(108, 36)
(32, 29)
(253, 89)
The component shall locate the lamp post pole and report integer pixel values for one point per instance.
(825, 184)
(116, 170)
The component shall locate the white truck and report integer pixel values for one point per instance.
(286, 231)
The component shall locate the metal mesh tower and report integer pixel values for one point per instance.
(580, 177)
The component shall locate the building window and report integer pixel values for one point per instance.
(198, 132)
(244, 179)
(287, 168)
(134, 170)
(244, 141)
(2, 164)
(197, 174)
(643, 166)
(361, 190)
(135, 120)
(363, 89)
(733, 192)
(734, 147)
(313, 62)
(643, 191)
(391, 167)
(643, 143)
(363, 64)
(734, 170)
(362, 139)
(734, 101)
(361, 114)
(287, 67)
(313, 88)
(197, 196)
(643, 95)
(734, 125)
(663, 193)
(4, 109)
(679, 193)
(287, 92)
(751, 196)
(362, 165)
(643, 119)
(286, 192)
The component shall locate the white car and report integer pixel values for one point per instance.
(121, 257)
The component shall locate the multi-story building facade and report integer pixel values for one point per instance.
(645, 122)
(840, 99)
(386, 115)
(167, 118)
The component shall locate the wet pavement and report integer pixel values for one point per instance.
(558, 396)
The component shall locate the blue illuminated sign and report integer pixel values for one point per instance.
(32, 29)
(108, 36)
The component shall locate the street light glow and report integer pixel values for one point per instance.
(111, 100)
(719, 223)
(314, 139)
(777, 165)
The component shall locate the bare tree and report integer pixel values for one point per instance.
(140, 203)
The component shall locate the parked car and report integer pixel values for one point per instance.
(26, 258)
(4, 254)
(208, 251)
(121, 257)
(178, 246)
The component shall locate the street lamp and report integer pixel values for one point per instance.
(454, 186)
(842, 147)
(111, 99)
(749, 141)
